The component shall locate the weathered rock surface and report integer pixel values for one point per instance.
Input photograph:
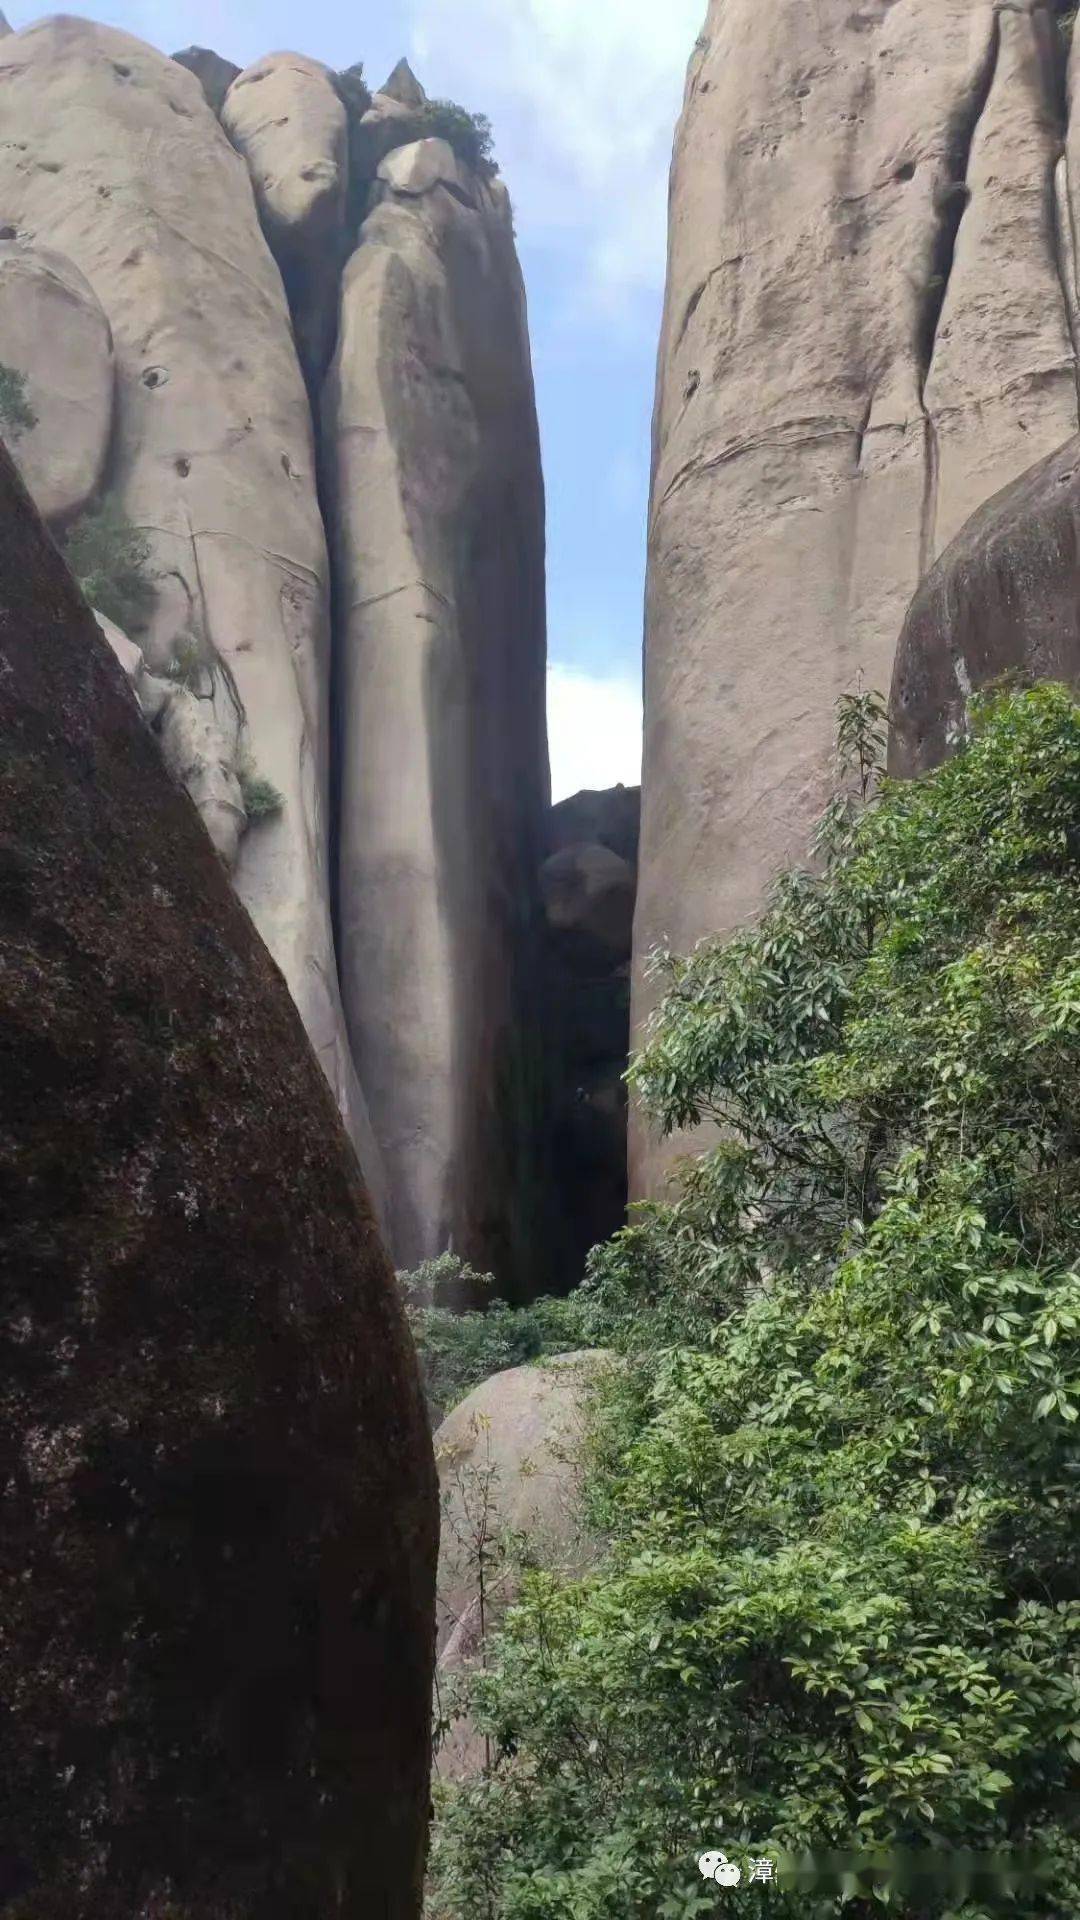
(53, 331)
(214, 74)
(866, 332)
(1002, 600)
(588, 892)
(285, 116)
(438, 538)
(508, 1464)
(112, 155)
(609, 815)
(217, 1542)
(424, 164)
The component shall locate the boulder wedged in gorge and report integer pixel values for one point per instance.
(869, 329)
(1002, 603)
(437, 533)
(219, 1523)
(112, 156)
(54, 331)
(285, 116)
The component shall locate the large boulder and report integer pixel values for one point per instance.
(53, 331)
(610, 815)
(509, 1467)
(285, 115)
(218, 1513)
(588, 893)
(867, 332)
(1003, 600)
(112, 155)
(437, 516)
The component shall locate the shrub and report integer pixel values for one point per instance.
(459, 1347)
(17, 416)
(841, 1606)
(352, 90)
(110, 559)
(469, 134)
(261, 798)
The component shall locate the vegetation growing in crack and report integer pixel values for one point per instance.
(352, 90)
(17, 416)
(469, 134)
(839, 1470)
(110, 559)
(261, 798)
(458, 1349)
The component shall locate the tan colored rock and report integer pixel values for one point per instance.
(4, 25)
(112, 155)
(1001, 601)
(424, 164)
(508, 1461)
(587, 889)
(214, 74)
(437, 511)
(219, 1517)
(285, 116)
(388, 123)
(53, 331)
(403, 86)
(864, 333)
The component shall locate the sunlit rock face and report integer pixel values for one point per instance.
(238, 299)
(869, 329)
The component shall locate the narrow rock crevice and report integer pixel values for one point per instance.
(952, 201)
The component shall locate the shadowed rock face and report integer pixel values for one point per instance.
(218, 1519)
(215, 75)
(1004, 599)
(869, 325)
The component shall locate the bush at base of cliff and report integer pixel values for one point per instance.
(841, 1606)
(460, 1347)
(110, 559)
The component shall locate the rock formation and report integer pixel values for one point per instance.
(438, 543)
(217, 1543)
(587, 884)
(508, 1468)
(285, 116)
(869, 328)
(1002, 602)
(166, 284)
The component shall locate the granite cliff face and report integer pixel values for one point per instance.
(869, 329)
(224, 325)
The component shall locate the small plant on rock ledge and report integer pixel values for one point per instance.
(261, 798)
(17, 416)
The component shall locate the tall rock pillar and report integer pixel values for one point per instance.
(437, 537)
(868, 330)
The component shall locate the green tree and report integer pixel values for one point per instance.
(110, 559)
(469, 134)
(17, 416)
(840, 1475)
(460, 1345)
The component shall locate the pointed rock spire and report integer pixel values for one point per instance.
(404, 86)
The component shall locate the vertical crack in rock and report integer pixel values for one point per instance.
(1062, 231)
(952, 201)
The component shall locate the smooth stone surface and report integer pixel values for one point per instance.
(867, 331)
(1002, 600)
(112, 155)
(54, 331)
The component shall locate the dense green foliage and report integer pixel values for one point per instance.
(352, 89)
(17, 416)
(110, 559)
(459, 1345)
(468, 133)
(260, 796)
(840, 1477)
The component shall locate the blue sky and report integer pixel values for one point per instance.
(583, 95)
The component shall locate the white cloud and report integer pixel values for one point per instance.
(583, 95)
(594, 730)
